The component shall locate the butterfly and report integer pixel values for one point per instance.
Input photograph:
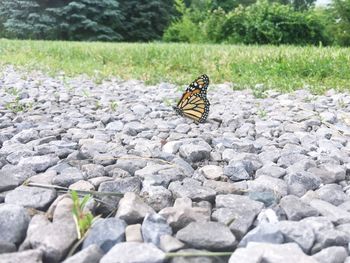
(194, 103)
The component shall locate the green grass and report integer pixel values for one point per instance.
(284, 68)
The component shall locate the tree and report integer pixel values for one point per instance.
(91, 20)
(145, 20)
(229, 5)
(25, 19)
(297, 4)
(341, 22)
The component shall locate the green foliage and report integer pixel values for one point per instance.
(25, 19)
(273, 23)
(83, 220)
(260, 23)
(297, 4)
(340, 25)
(184, 29)
(91, 20)
(145, 20)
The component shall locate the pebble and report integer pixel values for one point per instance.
(105, 233)
(134, 252)
(213, 236)
(31, 197)
(133, 233)
(331, 254)
(14, 220)
(132, 209)
(296, 209)
(91, 254)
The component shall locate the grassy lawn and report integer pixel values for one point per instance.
(284, 68)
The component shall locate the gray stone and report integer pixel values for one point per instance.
(271, 170)
(300, 183)
(239, 212)
(184, 213)
(7, 182)
(345, 206)
(7, 247)
(207, 235)
(31, 197)
(169, 243)
(332, 193)
(329, 172)
(212, 172)
(271, 253)
(226, 187)
(331, 254)
(26, 135)
(327, 238)
(39, 163)
(296, 209)
(268, 198)
(267, 183)
(91, 254)
(93, 170)
(82, 186)
(298, 232)
(134, 252)
(115, 126)
(14, 220)
(198, 193)
(157, 197)
(195, 152)
(153, 227)
(28, 256)
(335, 214)
(105, 233)
(121, 186)
(43, 178)
(133, 233)
(18, 173)
(132, 209)
(41, 232)
(68, 176)
(155, 174)
(289, 159)
(263, 233)
(131, 163)
(236, 171)
(198, 258)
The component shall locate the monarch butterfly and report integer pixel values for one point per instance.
(194, 103)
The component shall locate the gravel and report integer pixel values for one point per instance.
(260, 185)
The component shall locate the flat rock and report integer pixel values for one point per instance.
(68, 176)
(91, 254)
(132, 209)
(298, 232)
(296, 209)
(196, 151)
(300, 183)
(331, 254)
(236, 211)
(157, 197)
(169, 243)
(263, 233)
(134, 252)
(133, 233)
(212, 172)
(31, 197)
(183, 212)
(207, 235)
(14, 220)
(272, 253)
(39, 163)
(267, 183)
(105, 233)
(7, 247)
(28, 256)
(198, 193)
(335, 214)
(332, 193)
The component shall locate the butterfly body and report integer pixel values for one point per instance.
(194, 103)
